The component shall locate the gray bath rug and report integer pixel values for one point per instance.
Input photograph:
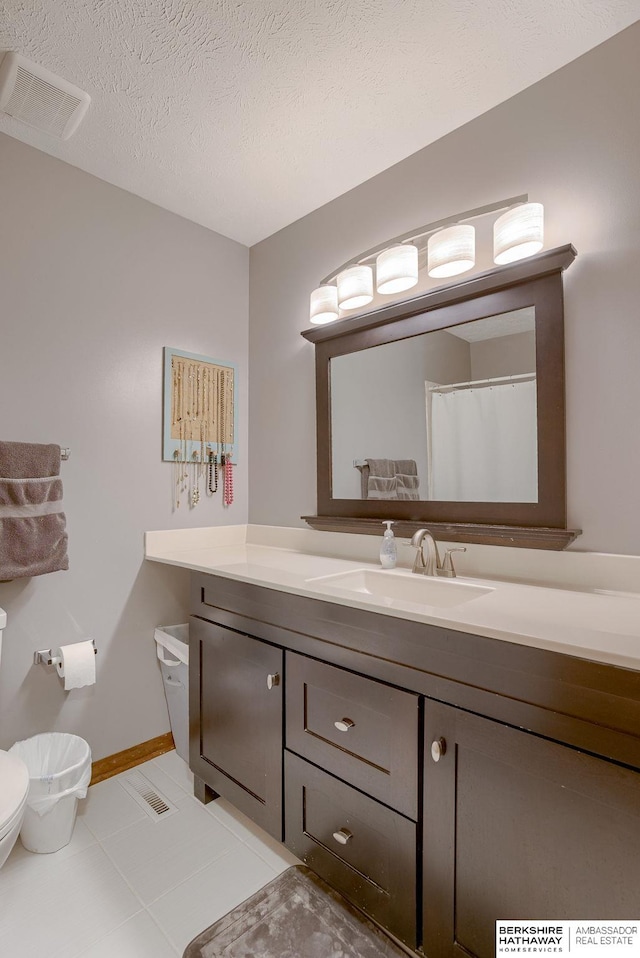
(295, 916)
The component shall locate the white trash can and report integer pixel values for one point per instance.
(172, 643)
(59, 767)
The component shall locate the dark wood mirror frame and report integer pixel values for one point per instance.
(536, 282)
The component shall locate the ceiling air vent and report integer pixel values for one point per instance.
(38, 97)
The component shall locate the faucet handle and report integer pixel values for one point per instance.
(447, 568)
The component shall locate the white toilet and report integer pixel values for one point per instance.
(14, 789)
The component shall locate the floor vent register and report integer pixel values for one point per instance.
(147, 796)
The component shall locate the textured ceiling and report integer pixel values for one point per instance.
(244, 115)
(493, 327)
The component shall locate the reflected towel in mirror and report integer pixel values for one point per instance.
(390, 479)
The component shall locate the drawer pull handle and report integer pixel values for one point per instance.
(273, 680)
(438, 748)
(343, 836)
(344, 725)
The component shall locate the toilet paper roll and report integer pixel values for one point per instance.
(77, 664)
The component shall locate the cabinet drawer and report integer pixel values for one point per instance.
(361, 730)
(362, 848)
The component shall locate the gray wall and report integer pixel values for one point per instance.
(447, 358)
(378, 403)
(504, 356)
(93, 283)
(572, 142)
(377, 398)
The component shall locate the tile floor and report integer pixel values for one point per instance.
(133, 887)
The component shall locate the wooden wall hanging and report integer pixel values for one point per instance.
(200, 407)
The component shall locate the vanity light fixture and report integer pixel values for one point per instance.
(451, 251)
(355, 287)
(397, 268)
(324, 305)
(450, 245)
(518, 233)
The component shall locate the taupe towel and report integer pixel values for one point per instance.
(390, 479)
(405, 467)
(375, 469)
(386, 468)
(407, 486)
(380, 487)
(33, 538)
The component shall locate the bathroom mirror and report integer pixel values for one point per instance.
(455, 407)
(447, 410)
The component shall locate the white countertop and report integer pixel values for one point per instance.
(599, 625)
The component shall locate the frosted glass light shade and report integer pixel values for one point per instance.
(518, 233)
(324, 305)
(451, 251)
(355, 287)
(397, 268)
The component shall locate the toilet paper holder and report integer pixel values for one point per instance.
(46, 656)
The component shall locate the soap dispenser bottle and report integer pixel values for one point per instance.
(388, 551)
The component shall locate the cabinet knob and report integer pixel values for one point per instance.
(273, 680)
(438, 748)
(343, 725)
(343, 836)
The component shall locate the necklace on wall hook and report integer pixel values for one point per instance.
(228, 479)
(177, 478)
(195, 480)
(212, 485)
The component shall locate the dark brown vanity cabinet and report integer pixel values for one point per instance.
(440, 780)
(236, 720)
(518, 827)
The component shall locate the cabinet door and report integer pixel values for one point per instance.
(519, 827)
(236, 739)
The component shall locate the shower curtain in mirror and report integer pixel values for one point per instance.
(483, 442)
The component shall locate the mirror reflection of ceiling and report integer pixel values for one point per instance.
(492, 327)
(449, 415)
(246, 116)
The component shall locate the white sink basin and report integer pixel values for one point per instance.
(403, 587)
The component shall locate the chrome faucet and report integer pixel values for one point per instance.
(430, 564)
